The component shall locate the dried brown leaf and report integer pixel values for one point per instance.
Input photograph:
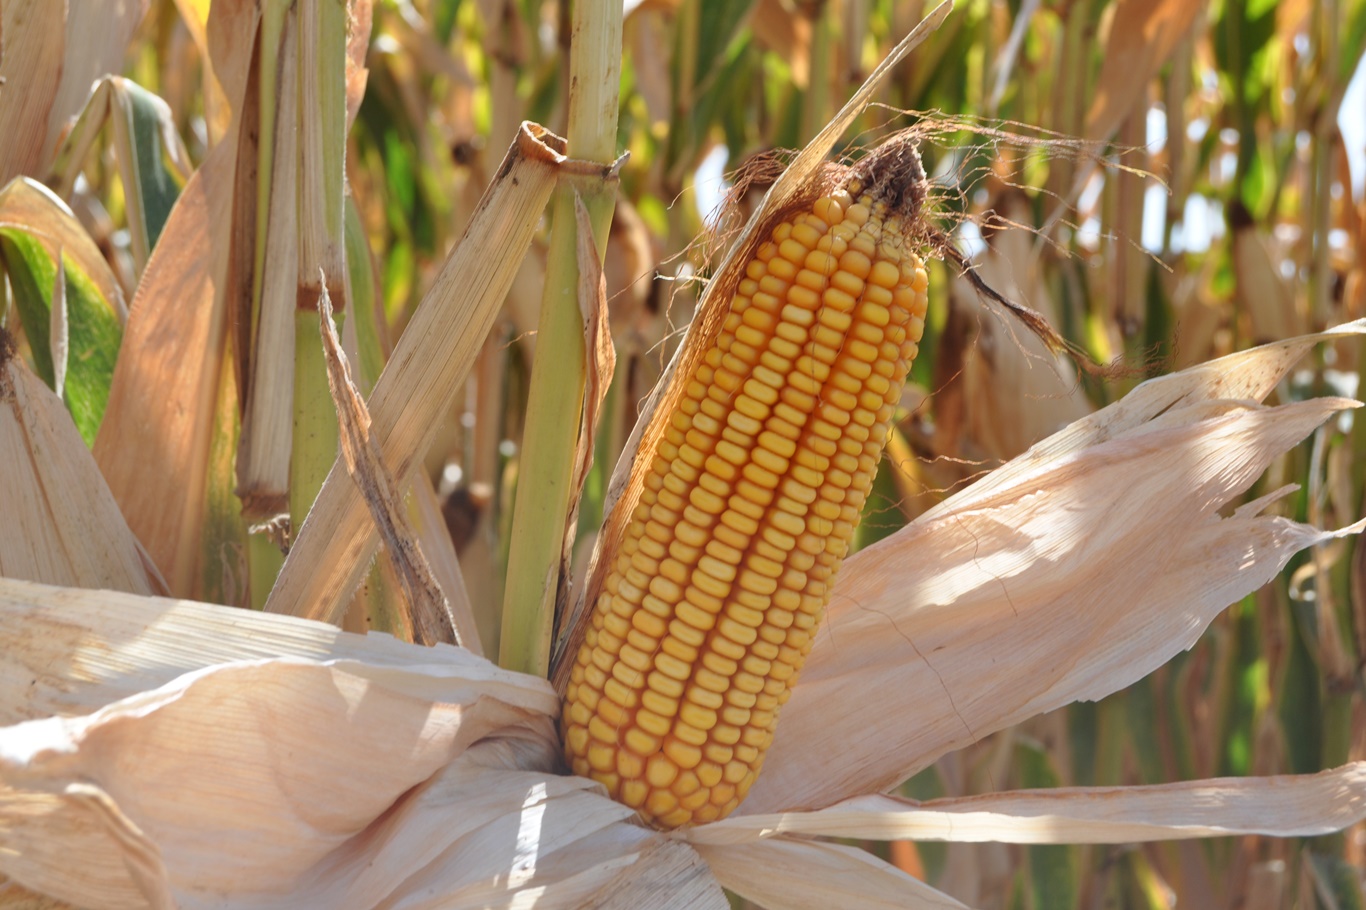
(61, 524)
(30, 76)
(154, 442)
(600, 359)
(1143, 35)
(427, 369)
(1302, 805)
(432, 620)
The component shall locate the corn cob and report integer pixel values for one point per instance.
(720, 580)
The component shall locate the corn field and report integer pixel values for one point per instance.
(444, 439)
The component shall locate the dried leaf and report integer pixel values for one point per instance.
(267, 355)
(784, 874)
(600, 358)
(432, 620)
(61, 524)
(1044, 394)
(426, 371)
(30, 76)
(435, 538)
(97, 36)
(159, 427)
(1303, 805)
(1260, 291)
(1035, 587)
(1143, 35)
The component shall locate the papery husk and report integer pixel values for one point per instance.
(789, 874)
(1304, 805)
(61, 523)
(314, 768)
(1067, 574)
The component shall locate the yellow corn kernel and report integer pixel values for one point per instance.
(751, 498)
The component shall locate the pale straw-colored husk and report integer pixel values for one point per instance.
(214, 757)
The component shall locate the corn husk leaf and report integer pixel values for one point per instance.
(347, 770)
(1283, 806)
(1044, 573)
(787, 874)
(61, 524)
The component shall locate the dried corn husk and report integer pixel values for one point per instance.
(61, 524)
(283, 763)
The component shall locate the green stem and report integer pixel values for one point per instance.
(322, 242)
(555, 399)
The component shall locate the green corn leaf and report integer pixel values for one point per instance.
(93, 328)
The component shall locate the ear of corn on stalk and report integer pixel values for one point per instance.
(719, 582)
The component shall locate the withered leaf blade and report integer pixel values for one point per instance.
(600, 358)
(1290, 805)
(426, 370)
(159, 428)
(61, 523)
(432, 619)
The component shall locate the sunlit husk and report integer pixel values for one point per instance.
(158, 429)
(1037, 586)
(1283, 806)
(61, 524)
(304, 767)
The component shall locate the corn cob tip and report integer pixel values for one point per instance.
(894, 175)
